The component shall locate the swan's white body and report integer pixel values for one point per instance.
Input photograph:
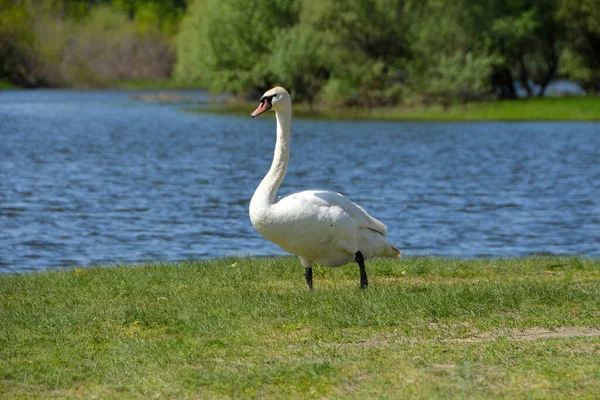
(322, 226)
(318, 226)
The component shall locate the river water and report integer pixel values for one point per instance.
(99, 177)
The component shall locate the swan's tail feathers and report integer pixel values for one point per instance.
(393, 252)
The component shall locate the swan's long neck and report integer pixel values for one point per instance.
(265, 193)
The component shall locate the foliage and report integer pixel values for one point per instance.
(300, 62)
(303, 44)
(375, 52)
(164, 15)
(367, 43)
(448, 65)
(460, 76)
(357, 52)
(526, 38)
(582, 21)
(86, 43)
(576, 108)
(18, 61)
(108, 47)
(225, 44)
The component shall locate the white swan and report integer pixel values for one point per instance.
(318, 226)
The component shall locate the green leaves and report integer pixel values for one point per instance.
(581, 19)
(225, 45)
(68, 43)
(459, 76)
(302, 45)
(371, 53)
(356, 52)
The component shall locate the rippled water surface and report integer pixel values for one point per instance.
(99, 177)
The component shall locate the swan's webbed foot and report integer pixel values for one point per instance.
(364, 282)
(308, 276)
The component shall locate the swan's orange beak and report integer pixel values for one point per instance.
(265, 105)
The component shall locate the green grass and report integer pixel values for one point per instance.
(6, 84)
(168, 84)
(545, 109)
(248, 328)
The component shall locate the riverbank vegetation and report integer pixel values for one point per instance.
(354, 53)
(71, 43)
(537, 109)
(247, 327)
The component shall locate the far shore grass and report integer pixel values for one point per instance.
(248, 328)
(538, 109)
(5, 84)
(168, 84)
(575, 108)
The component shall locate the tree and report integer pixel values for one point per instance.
(16, 44)
(582, 22)
(80, 43)
(367, 45)
(451, 60)
(108, 47)
(300, 62)
(526, 38)
(226, 45)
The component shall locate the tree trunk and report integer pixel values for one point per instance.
(524, 76)
(399, 11)
(504, 84)
(552, 68)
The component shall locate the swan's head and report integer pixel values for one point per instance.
(275, 99)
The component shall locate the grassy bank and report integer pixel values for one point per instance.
(5, 84)
(425, 328)
(545, 109)
(169, 84)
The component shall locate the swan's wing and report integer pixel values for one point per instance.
(332, 199)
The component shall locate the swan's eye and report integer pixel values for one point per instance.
(268, 98)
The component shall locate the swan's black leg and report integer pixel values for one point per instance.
(364, 282)
(308, 276)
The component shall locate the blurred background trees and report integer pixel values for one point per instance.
(355, 52)
(87, 43)
(581, 61)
